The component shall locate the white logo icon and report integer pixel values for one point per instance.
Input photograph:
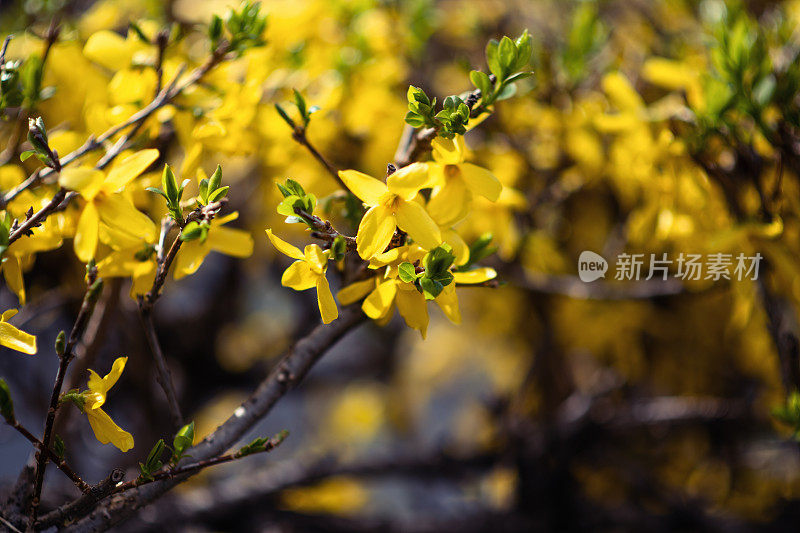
(591, 266)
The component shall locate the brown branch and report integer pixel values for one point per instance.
(289, 372)
(51, 455)
(164, 97)
(113, 484)
(82, 505)
(37, 218)
(163, 374)
(323, 229)
(82, 320)
(148, 301)
(299, 135)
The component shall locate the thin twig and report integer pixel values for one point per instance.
(163, 374)
(323, 229)
(85, 313)
(37, 218)
(52, 455)
(148, 301)
(289, 372)
(299, 135)
(166, 95)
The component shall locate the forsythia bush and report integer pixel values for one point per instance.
(139, 138)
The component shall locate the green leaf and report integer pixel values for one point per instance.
(169, 184)
(506, 92)
(284, 116)
(153, 462)
(157, 191)
(481, 81)
(26, 154)
(407, 272)
(215, 180)
(430, 288)
(58, 446)
(256, 446)
(183, 440)
(518, 76)
(508, 56)
(6, 402)
(215, 30)
(300, 102)
(194, 231)
(493, 59)
(218, 194)
(338, 248)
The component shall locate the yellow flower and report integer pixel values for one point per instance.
(90, 402)
(130, 257)
(228, 241)
(306, 272)
(456, 181)
(392, 206)
(104, 206)
(14, 338)
(21, 252)
(410, 303)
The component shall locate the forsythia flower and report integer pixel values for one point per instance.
(456, 181)
(103, 203)
(228, 241)
(21, 253)
(14, 338)
(90, 402)
(130, 257)
(392, 205)
(308, 271)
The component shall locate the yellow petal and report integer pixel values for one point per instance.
(17, 339)
(86, 233)
(84, 180)
(128, 169)
(448, 303)
(414, 220)
(481, 181)
(375, 231)
(365, 187)
(448, 151)
(412, 306)
(450, 203)
(109, 49)
(379, 302)
(355, 291)
(284, 247)
(316, 258)
(299, 276)
(190, 257)
(460, 248)
(12, 272)
(100, 386)
(479, 275)
(327, 305)
(621, 93)
(106, 431)
(230, 241)
(118, 212)
(407, 181)
(9, 314)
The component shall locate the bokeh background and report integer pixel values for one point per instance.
(555, 405)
